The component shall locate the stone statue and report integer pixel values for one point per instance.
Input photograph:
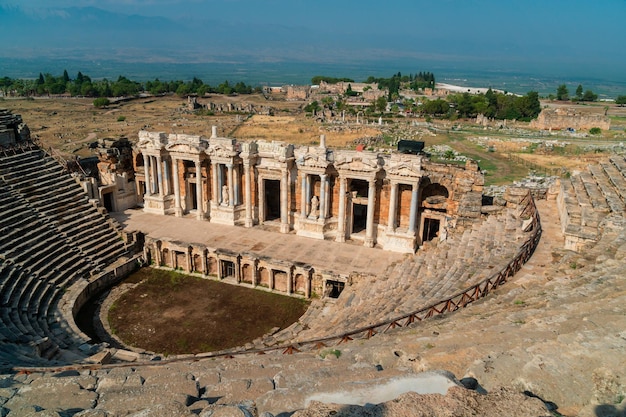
(225, 196)
(315, 204)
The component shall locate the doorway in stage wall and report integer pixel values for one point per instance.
(108, 201)
(272, 200)
(359, 217)
(431, 229)
(193, 196)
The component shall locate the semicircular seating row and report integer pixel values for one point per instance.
(437, 271)
(51, 236)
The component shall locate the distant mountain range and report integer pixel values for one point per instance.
(105, 43)
(92, 33)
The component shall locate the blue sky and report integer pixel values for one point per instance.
(559, 35)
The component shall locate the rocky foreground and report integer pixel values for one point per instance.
(552, 341)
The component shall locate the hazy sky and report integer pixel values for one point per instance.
(559, 34)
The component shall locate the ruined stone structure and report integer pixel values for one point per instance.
(588, 197)
(247, 269)
(563, 118)
(298, 92)
(395, 201)
(12, 128)
(112, 182)
(57, 248)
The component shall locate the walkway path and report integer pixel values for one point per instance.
(551, 239)
(322, 254)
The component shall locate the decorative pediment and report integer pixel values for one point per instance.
(358, 163)
(404, 169)
(191, 145)
(151, 140)
(312, 160)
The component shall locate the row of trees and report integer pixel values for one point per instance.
(397, 81)
(491, 104)
(562, 94)
(392, 84)
(83, 85)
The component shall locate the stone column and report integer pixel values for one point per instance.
(303, 196)
(290, 280)
(307, 200)
(371, 201)
(189, 260)
(248, 197)
(216, 190)
(199, 205)
(146, 168)
(167, 187)
(323, 197)
(205, 266)
(284, 201)
(255, 273)
(178, 211)
(393, 201)
(236, 180)
(220, 183)
(159, 162)
(341, 221)
(413, 213)
(261, 200)
(231, 187)
(307, 285)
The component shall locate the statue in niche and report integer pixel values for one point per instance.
(225, 196)
(315, 204)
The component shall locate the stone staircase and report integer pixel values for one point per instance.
(587, 198)
(51, 236)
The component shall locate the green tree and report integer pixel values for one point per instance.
(579, 92)
(620, 100)
(589, 96)
(562, 93)
(5, 84)
(312, 107)
(381, 104)
(437, 107)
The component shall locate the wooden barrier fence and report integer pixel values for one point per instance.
(448, 305)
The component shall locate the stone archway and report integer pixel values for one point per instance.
(247, 274)
(299, 284)
(166, 259)
(211, 266)
(264, 277)
(281, 280)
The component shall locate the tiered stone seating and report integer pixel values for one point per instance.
(587, 198)
(438, 271)
(51, 236)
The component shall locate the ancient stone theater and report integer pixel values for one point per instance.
(394, 200)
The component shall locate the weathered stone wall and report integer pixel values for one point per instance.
(12, 128)
(298, 92)
(569, 119)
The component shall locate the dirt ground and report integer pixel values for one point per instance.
(158, 315)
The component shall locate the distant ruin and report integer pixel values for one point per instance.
(567, 118)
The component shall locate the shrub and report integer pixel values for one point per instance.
(595, 130)
(101, 102)
(121, 118)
